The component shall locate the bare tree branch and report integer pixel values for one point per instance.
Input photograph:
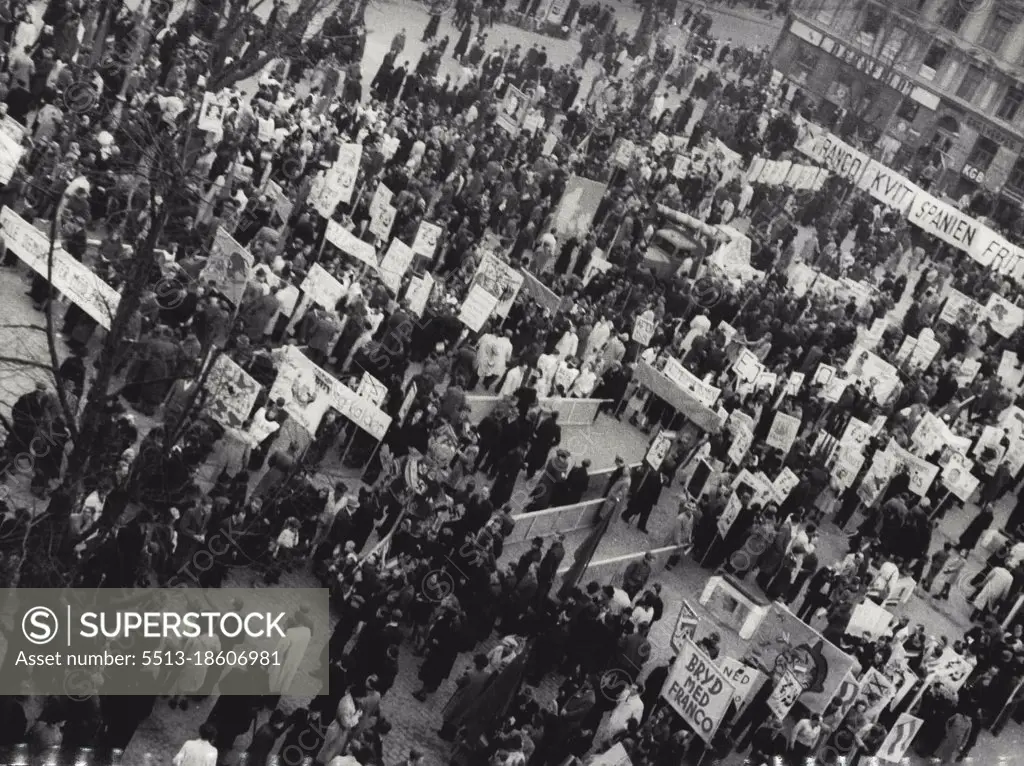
(51, 340)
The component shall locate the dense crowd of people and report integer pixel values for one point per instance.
(414, 554)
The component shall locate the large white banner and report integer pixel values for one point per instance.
(889, 187)
(309, 391)
(836, 155)
(75, 280)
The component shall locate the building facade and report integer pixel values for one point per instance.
(935, 87)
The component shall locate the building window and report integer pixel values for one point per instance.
(805, 64)
(894, 45)
(907, 110)
(955, 14)
(970, 86)
(933, 60)
(983, 153)
(1010, 105)
(1015, 181)
(995, 35)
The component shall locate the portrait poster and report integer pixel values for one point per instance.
(513, 109)
(576, 209)
(228, 266)
(783, 432)
(427, 237)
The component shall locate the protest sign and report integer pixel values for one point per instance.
(350, 244)
(960, 310)
(742, 438)
(794, 383)
(372, 389)
(783, 432)
(899, 738)
(513, 109)
(1005, 317)
(698, 691)
(869, 618)
(381, 223)
(877, 691)
(857, 434)
(211, 113)
(730, 514)
(322, 288)
(477, 308)
(381, 199)
(616, 755)
(335, 185)
(308, 392)
(407, 402)
(73, 279)
(747, 366)
(500, 280)
(745, 679)
(950, 669)
(545, 297)
(427, 237)
(921, 473)
(418, 293)
(394, 264)
(643, 330)
(11, 152)
(661, 445)
(577, 208)
(228, 266)
(784, 483)
(685, 627)
(785, 694)
(846, 464)
(230, 392)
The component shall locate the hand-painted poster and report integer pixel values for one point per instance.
(427, 237)
(1005, 317)
(784, 643)
(306, 389)
(578, 206)
(228, 266)
(230, 392)
(322, 288)
(500, 280)
(394, 264)
(335, 185)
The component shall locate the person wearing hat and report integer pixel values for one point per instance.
(637, 574)
(555, 473)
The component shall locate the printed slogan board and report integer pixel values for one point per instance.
(698, 690)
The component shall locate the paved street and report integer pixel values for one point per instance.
(415, 723)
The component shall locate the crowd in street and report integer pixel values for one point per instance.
(414, 553)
